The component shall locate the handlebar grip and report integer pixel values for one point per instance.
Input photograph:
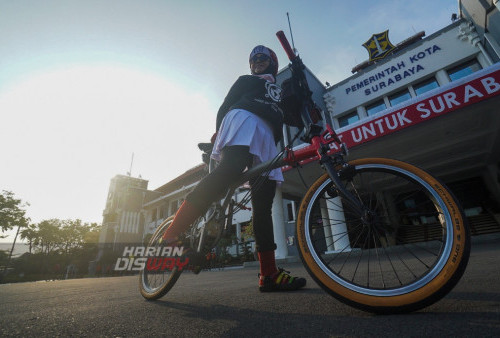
(286, 45)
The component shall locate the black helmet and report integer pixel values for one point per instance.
(273, 66)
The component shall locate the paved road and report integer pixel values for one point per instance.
(227, 303)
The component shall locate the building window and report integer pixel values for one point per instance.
(173, 207)
(399, 97)
(425, 86)
(464, 69)
(348, 119)
(375, 107)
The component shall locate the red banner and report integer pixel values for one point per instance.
(446, 101)
(468, 93)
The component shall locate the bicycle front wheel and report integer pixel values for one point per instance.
(155, 283)
(405, 248)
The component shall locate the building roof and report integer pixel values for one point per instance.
(190, 176)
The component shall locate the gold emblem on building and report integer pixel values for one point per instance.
(379, 46)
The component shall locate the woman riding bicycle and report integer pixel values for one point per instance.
(249, 125)
(358, 251)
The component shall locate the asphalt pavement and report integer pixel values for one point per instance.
(228, 304)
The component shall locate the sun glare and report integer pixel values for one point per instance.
(85, 121)
(91, 98)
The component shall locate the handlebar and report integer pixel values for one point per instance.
(301, 89)
(286, 45)
(305, 94)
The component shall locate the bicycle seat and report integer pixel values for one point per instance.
(206, 147)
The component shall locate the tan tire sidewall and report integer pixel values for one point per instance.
(449, 269)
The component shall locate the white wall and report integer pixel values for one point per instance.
(426, 58)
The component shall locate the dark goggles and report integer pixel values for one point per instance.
(259, 58)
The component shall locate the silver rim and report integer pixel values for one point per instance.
(420, 281)
(152, 282)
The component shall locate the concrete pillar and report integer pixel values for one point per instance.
(387, 102)
(338, 226)
(442, 77)
(279, 224)
(238, 231)
(361, 112)
(412, 91)
(137, 222)
(326, 226)
(483, 60)
(122, 221)
(493, 43)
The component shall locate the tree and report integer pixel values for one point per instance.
(71, 234)
(12, 211)
(29, 234)
(12, 214)
(54, 245)
(91, 235)
(48, 235)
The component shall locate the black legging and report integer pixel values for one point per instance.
(234, 161)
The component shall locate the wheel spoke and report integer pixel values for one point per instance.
(379, 264)
(396, 243)
(156, 282)
(368, 236)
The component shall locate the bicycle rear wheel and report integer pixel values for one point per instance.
(404, 250)
(154, 284)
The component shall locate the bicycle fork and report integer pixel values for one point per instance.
(330, 164)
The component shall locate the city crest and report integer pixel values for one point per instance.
(379, 46)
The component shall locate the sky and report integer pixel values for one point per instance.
(86, 84)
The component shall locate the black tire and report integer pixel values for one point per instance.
(368, 259)
(155, 284)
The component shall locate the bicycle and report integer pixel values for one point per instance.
(348, 223)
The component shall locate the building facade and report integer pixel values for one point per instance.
(123, 216)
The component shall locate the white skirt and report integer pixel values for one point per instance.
(243, 128)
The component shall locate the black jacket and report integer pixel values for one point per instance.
(259, 97)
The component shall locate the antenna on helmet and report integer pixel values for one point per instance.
(291, 35)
